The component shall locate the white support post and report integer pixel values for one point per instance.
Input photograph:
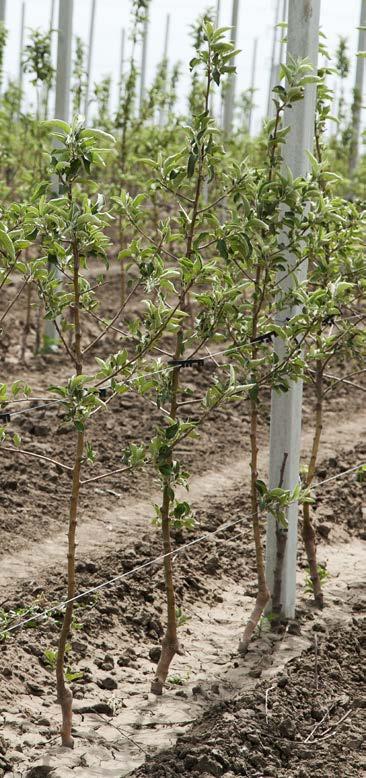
(90, 58)
(62, 109)
(358, 92)
(2, 21)
(122, 64)
(230, 94)
(282, 33)
(64, 45)
(286, 409)
(165, 59)
(52, 14)
(252, 84)
(21, 47)
(143, 62)
(273, 66)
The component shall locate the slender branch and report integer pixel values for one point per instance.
(58, 330)
(108, 327)
(13, 301)
(24, 452)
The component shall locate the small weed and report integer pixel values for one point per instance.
(181, 617)
(178, 680)
(323, 575)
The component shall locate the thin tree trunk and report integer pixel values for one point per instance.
(281, 540)
(64, 693)
(308, 532)
(170, 644)
(27, 323)
(123, 267)
(263, 594)
(39, 328)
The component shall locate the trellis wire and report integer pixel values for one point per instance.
(61, 605)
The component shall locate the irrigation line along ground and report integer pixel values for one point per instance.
(151, 562)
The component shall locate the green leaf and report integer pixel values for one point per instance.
(6, 245)
(58, 123)
(191, 165)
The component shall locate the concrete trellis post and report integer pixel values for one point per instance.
(143, 62)
(63, 75)
(230, 94)
(165, 59)
(273, 66)
(282, 33)
(122, 64)
(2, 21)
(21, 47)
(62, 104)
(303, 33)
(252, 84)
(52, 14)
(90, 58)
(358, 91)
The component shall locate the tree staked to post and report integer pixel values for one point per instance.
(286, 409)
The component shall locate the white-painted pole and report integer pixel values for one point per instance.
(63, 74)
(252, 84)
(165, 60)
(282, 32)
(358, 92)
(21, 47)
(217, 15)
(52, 14)
(230, 94)
(273, 66)
(62, 108)
(143, 62)
(285, 430)
(90, 58)
(2, 21)
(122, 64)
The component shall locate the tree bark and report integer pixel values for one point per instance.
(308, 532)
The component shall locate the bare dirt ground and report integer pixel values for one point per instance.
(118, 724)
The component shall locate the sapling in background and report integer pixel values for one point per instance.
(79, 82)
(336, 287)
(38, 62)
